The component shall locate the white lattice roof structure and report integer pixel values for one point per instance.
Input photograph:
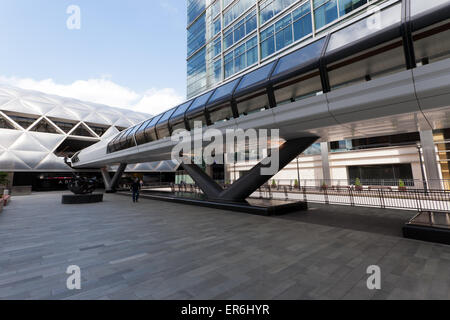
(36, 127)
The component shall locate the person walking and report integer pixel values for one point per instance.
(135, 187)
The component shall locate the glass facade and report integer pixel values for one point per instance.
(225, 37)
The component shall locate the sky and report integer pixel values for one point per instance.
(126, 53)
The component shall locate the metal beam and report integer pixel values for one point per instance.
(252, 180)
(111, 184)
(209, 187)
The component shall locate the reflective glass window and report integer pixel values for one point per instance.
(223, 92)
(365, 27)
(347, 6)
(236, 10)
(217, 26)
(325, 12)
(419, 6)
(215, 8)
(299, 57)
(271, 8)
(217, 46)
(196, 72)
(194, 8)
(240, 29)
(302, 23)
(259, 75)
(196, 35)
(218, 70)
(140, 136)
(241, 57)
(283, 32)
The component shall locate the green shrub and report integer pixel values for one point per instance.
(4, 178)
(358, 182)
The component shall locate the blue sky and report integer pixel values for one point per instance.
(128, 53)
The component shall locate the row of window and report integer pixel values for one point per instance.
(295, 26)
(241, 57)
(238, 31)
(194, 8)
(46, 127)
(236, 10)
(196, 35)
(270, 8)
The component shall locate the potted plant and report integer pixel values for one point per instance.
(274, 184)
(296, 185)
(358, 186)
(401, 185)
(4, 180)
(324, 186)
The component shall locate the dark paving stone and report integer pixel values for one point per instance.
(160, 250)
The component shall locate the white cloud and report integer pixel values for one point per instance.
(103, 91)
(168, 6)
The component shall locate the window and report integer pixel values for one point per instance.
(283, 35)
(25, 121)
(81, 130)
(267, 42)
(196, 72)
(378, 61)
(217, 70)
(194, 8)
(346, 6)
(5, 124)
(325, 11)
(217, 27)
(241, 57)
(196, 35)
(302, 22)
(215, 9)
(236, 10)
(270, 8)
(67, 126)
(226, 3)
(381, 174)
(239, 30)
(294, 26)
(217, 46)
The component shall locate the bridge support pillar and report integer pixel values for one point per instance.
(324, 150)
(111, 184)
(253, 179)
(430, 160)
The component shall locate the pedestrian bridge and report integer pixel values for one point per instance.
(379, 73)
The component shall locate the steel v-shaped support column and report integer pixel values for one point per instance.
(252, 180)
(111, 184)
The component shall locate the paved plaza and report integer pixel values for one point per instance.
(160, 250)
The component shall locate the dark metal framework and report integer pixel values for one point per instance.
(252, 180)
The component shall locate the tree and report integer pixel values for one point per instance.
(4, 178)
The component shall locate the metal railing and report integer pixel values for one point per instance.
(381, 197)
(365, 183)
